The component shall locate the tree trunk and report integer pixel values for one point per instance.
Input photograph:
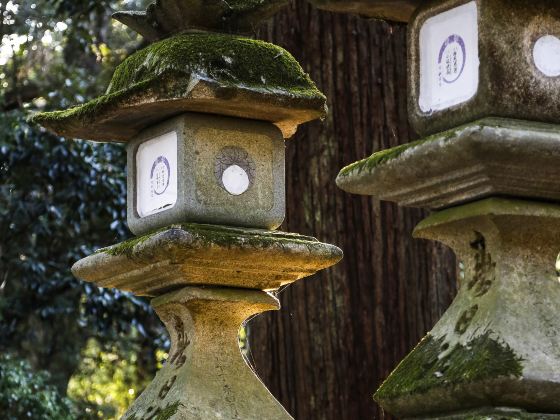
(341, 333)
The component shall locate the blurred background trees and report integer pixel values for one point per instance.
(59, 201)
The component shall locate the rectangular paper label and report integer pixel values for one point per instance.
(449, 61)
(156, 174)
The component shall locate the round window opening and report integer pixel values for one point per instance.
(546, 55)
(235, 170)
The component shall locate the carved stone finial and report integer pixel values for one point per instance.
(165, 18)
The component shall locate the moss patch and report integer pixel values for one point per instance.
(164, 71)
(423, 369)
(222, 236)
(168, 412)
(126, 247)
(230, 60)
(164, 414)
(378, 158)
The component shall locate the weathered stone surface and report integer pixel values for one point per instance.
(191, 254)
(498, 345)
(205, 376)
(485, 158)
(208, 73)
(169, 17)
(395, 10)
(493, 414)
(504, 79)
(195, 183)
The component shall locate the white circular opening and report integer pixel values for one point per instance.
(546, 54)
(235, 180)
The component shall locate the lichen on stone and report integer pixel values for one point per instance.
(230, 60)
(126, 247)
(164, 414)
(265, 75)
(483, 358)
(212, 235)
(383, 156)
(168, 412)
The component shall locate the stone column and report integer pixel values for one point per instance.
(205, 111)
(494, 184)
(207, 281)
(495, 353)
(498, 345)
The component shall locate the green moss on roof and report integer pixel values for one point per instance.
(89, 109)
(168, 71)
(229, 60)
(223, 236)
(431, 365)
(387, 155)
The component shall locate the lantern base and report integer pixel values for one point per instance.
(498, 345)
(205, 375)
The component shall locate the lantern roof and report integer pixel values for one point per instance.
(195, 72)
(165, 18)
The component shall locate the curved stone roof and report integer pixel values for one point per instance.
(208, 73)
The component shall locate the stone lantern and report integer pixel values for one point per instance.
(482, 77)
(204, 112)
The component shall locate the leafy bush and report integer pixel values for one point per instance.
(25, 394)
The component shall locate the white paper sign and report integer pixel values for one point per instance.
(449, 60)
(156, 175)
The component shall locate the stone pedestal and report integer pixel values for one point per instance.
(498, 345)
(207, 281)
(205, 375)
(225, 167)
(495, 353)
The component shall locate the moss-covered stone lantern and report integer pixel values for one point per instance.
(494, 185)
(204, 111)
(204, 116)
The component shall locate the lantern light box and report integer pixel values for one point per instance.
(471, 59)
(206, 169)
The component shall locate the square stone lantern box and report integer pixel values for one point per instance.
(206, 168)
(480, 58)
(204, 117)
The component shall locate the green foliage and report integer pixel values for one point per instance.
(60, 200)
(107, 381)
(26, 394)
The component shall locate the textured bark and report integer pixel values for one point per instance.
(343, 331)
